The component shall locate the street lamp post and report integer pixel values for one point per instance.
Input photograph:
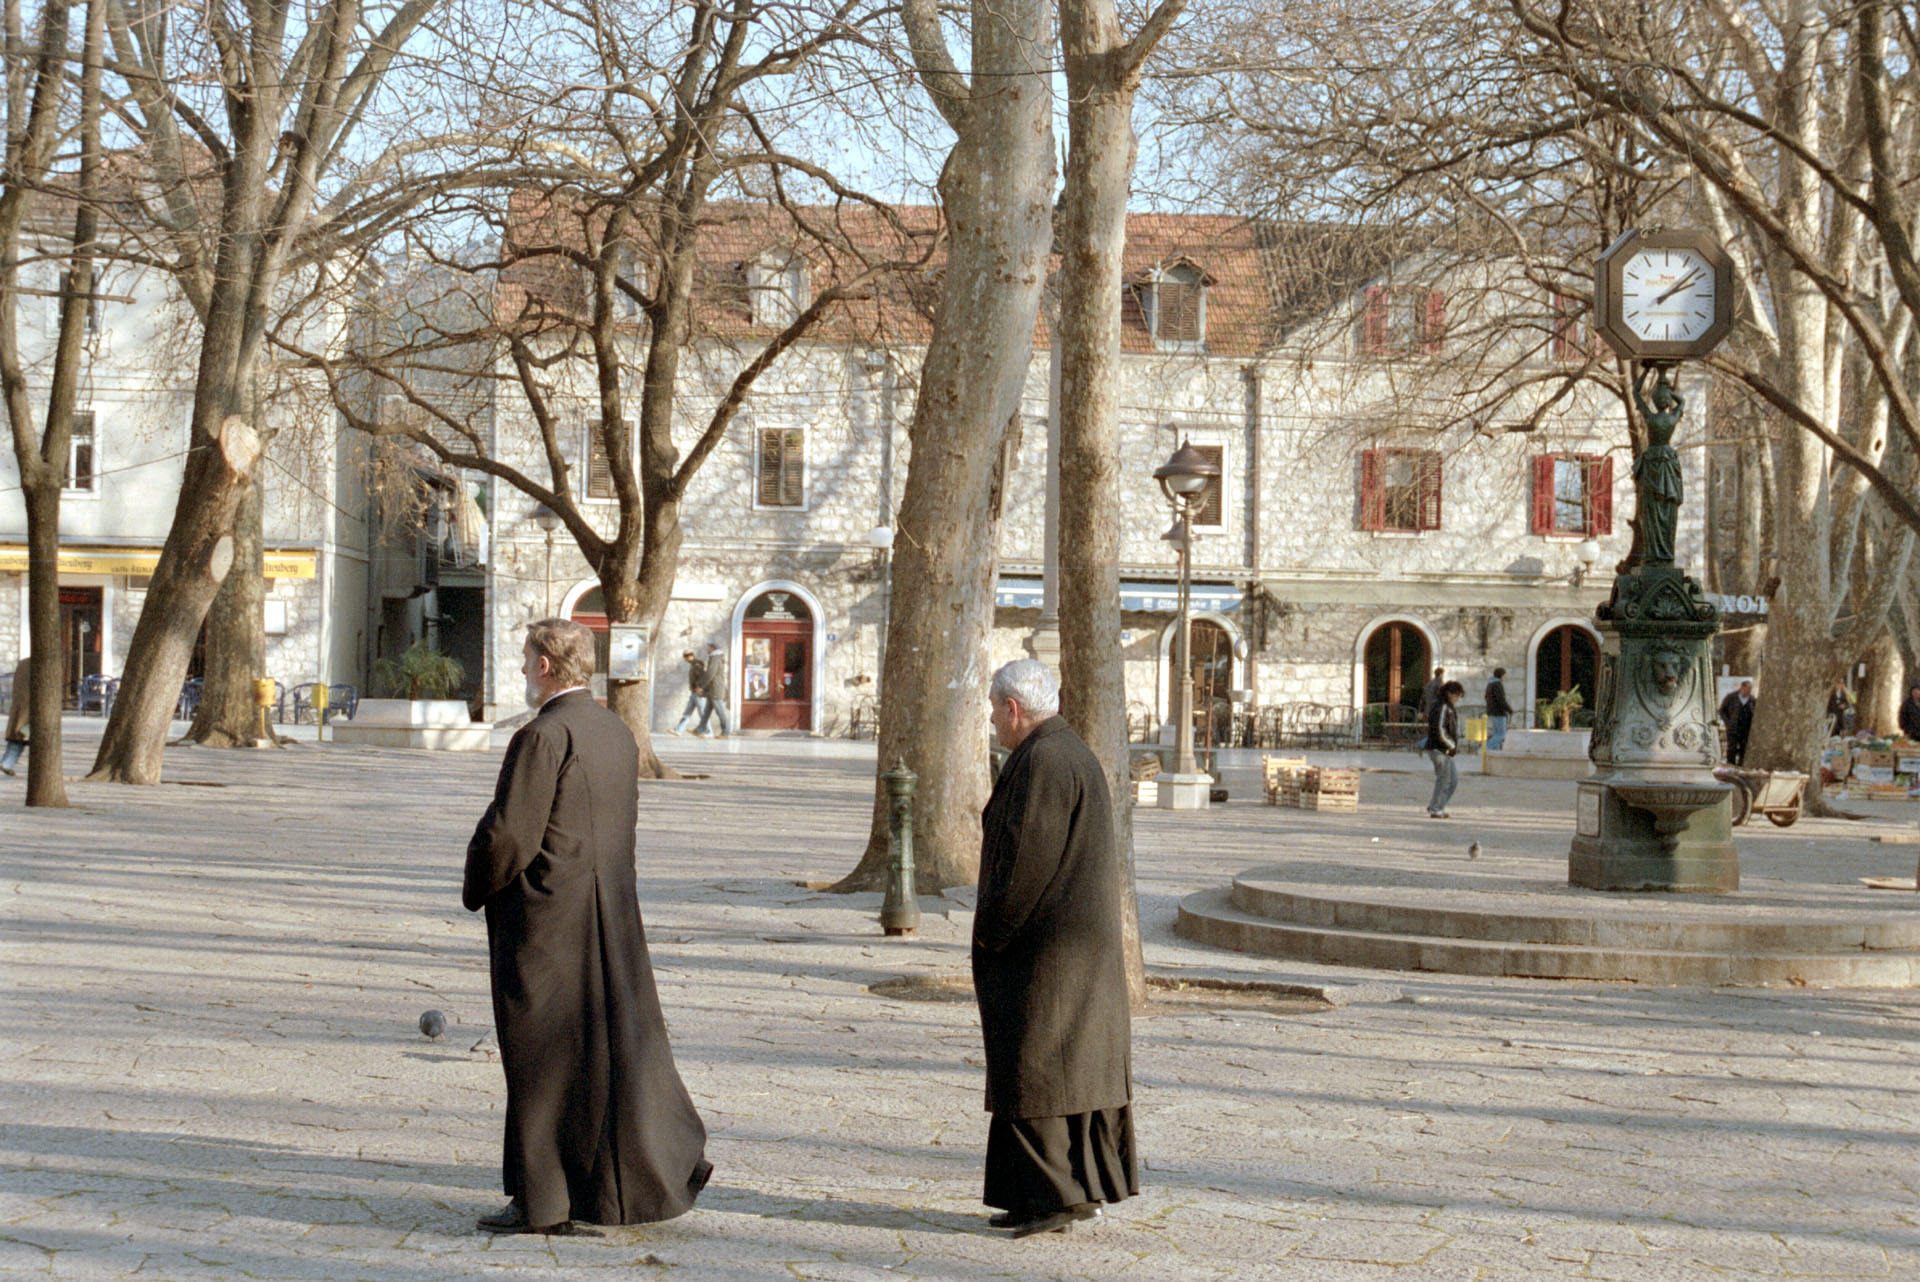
(549, 521)
(1183, 479)
(880, 539)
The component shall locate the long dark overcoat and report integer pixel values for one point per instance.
(1047, 962)
(599, 1126)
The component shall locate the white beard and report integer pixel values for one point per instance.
(534, 697)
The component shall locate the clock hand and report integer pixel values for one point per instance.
(1679, 285)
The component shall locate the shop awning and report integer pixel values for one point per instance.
(279, 565)
(1219, 598)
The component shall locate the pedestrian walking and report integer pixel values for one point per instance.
(1839, 710)
(1498, 710)
(715, 689)
(1441, 745)
(1431, 694)
(18, 705)
(1736, 713)
(696, 694)
(1048, 971)
(599, 1126)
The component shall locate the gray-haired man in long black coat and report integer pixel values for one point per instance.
(599, 1126)
(1049, 971)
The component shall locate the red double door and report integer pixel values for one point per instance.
(776, 674)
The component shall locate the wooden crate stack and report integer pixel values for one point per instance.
(1290, 781)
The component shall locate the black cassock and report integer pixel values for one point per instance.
(599, 1126)
(1050, 975)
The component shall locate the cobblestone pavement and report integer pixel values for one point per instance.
(210, 1068)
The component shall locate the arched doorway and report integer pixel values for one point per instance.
(589, 609)
(1567, 657)
(776, 662)
(1213, 640)
(1398, 661)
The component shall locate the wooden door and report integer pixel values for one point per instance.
(776, 664)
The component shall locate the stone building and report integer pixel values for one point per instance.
(123, 476)
(1367, 526)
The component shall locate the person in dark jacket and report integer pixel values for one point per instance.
(1736, 713)
(1049, 971)
(1909, 714)
(599, 1126)
(696, 696)
(1839, 710)
(1440, 746)
(17, 721)
(1498, 710)
(1431, 694)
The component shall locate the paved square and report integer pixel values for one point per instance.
(210, 1067)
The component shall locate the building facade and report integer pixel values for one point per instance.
(1366, 528)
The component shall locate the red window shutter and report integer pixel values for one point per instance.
(1375, 320)
(1566, 344)
(1543, 494)
(1430, 490)
(1600, 496)
(1434, 331)
(1373, 498)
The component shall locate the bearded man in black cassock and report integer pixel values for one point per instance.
(599, 1126)
(1049, 971)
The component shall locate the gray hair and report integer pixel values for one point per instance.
(1031, 684)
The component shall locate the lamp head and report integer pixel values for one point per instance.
(1185, 474)
(881, 537)
(1587, 552)
(546, 518)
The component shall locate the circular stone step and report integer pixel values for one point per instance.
(1760, 937)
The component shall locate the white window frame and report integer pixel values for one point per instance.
(1214, 439)
(67, 489)
(1199, 282)
(778, 290)
(806, 466)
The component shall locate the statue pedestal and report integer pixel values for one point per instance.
(1652, 816)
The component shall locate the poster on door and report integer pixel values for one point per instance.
(756, 672)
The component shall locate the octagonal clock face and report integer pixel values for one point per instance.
(1668, 295)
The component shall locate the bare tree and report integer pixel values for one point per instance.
(37, 83)
(996, 193)
(1528, 134)
(654, 139)
(241, 121)
(1103, 69)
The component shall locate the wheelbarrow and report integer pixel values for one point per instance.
(1773, 793)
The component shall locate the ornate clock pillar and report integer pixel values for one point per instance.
(1652, 817)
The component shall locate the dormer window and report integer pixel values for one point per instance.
(1177, 306)
(630, 272)
(779, 289)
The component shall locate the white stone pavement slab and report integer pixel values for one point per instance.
(209, 1066)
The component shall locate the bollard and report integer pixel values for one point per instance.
(900, 914)
(320, 711)
(263, 699)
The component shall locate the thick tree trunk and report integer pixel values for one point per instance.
(1877, 696)
(236, 638)
(46, 778)
(1100, 90)
(193, 562)
(996, 189)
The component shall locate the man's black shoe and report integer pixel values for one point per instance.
(1053, 1221)
(512, 1218)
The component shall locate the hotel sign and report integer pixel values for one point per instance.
(279, 565)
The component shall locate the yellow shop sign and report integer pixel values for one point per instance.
(279, 565)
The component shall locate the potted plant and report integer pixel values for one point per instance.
(421, 673)
(1558, 711)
